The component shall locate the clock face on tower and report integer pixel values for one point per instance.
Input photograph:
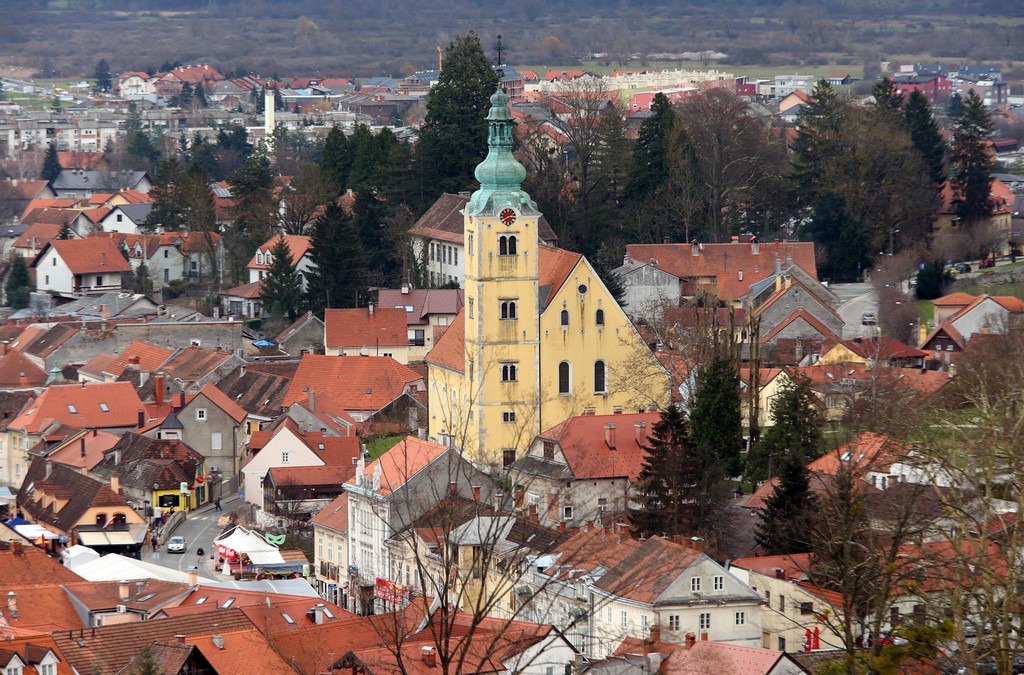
(508, 216)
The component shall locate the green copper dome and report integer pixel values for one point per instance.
(500, 174)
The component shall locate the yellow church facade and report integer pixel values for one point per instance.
(539, 339)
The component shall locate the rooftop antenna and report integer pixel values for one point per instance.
(440, 61)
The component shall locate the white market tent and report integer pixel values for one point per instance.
(76, 555)
(242, 541)
(116, 567)
(33, 532)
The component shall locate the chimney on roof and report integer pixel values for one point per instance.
(318, 614)
(755, 247)
(158, 384)
(370, 309)
(691, 640)
(122, 590)
(476, 493)
(132, 360)
(193, 576)
(609, 434)
(48, 468)
(115, 482)
(453, 488)
(429, 656)
(640, 431)
(312, 401)
(405, 289)
(81, 442)
(655, 634)
(218, 640)
(532, 516)
(780, 573)
(180, 639)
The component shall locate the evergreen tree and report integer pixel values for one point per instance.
(932, 280)
(955, 107)
(795, 431)
(254, 212)
(338, 275)
(605, 266)
(199, 96)
(819, 140)
(715, 421)
(138, 144)
(336, 159)
(669, 480)
(366, 158)
(18, 285)
(199, 209)
(842, 238)
(650, 154)
(281, 292)
(924, 133)
(65, 231)
(168, 210)
(51, 163)
(888, 100)
(55, 105)
(787, 520)
(142, 281)
(972, 163)
(454, 135)
(104, 79)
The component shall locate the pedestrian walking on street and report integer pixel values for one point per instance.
(216, 504)
(152, 542)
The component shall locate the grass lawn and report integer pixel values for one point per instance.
(1016, 290)
(926, 309)
(379, 445)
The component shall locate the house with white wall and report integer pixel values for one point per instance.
(81, 267)
(299, 246)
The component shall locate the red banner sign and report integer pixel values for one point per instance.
(390, 592)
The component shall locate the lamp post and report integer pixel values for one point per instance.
(892, 231)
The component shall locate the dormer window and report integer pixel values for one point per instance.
(72, 409)
(259, 258)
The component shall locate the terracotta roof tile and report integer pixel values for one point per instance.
(147, 356)
(91, 256)
(583, 440)
(142, 462)
(647, 572)
(17, 371)
(424, 302)
(554, 267)
(298, 246)
(219, 399)
(704, 657)
(21, 189)
(92, 443)
(450, 349)
(294, 476)
(385, 327)
(30, 567)
(82, 406)
(334, 516)
(402, 462)
(107, 649)
(257, 393)
(353, 382)
(958, 299)
(795, 566)
(240, 650)
(37, 236)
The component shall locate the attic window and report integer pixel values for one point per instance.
(288, 619)
(147, 596)
(228, 603)
(201, 600)
(328, 614)
(72, 409)
(104, 407)
(319, 446)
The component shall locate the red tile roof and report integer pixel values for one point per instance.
(298, 246)
(444, 221)
(148, 358)
(583, 440)
(795, 567)
(450, 349)
(385, 327)
(590, 548)
(93, 442)
(402, 462)
(296, 476)
(29, 566)
(31, 650)
(554, 267)
(87, 401)
(424, 302)
(958, 299)
(352, 382)
(881, 348)
(239, 651)
(37, 236)
(21, 189)
(720, 657)
(17, 371)
(74, 159)
(334, 516)
(90, 256)
(219, 399)
(649, 571)
(724, 262)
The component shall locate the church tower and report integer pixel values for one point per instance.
(502, 367)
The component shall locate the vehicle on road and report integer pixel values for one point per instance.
(868, 319)
(987, 263)
(962, 268)
(176, 545)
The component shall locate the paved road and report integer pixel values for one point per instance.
(199, 530)
(856, 299)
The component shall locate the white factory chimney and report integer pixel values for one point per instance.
(268, 111)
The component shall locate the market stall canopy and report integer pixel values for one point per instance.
(33, 532)
(242, 541)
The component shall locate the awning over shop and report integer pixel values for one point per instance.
(242, 541)
(33, 532)
(106, 538)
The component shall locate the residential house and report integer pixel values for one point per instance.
(80, 267)
(212, 425)
(948, 224)
(304, 336)
(323, 415)
(192, 367)
(260, 394)
(171, 83)
(387, 496)
(949, 305)
(438, 240)
(44, 347)
(427, 311)
(298, 492)
(299, 246)
(770, 384)
(18, 372)
(161, 253)
(90, 159)
(840, 386)
(243, 302)
(985, 314)
(374, 331)
(582, 470)
(934, 86)
(126, 218)
(113, 406)
(106, 603)
(80, 184)
(165, 474)
(871, 351)
(77, 509)
(288, 446)
(793, 605)
(134, 84)
(18, 193)
(726, 271)
(792, 304)
(677, 589)
(139, 355)
(45, 227)
(36, 654)
(330, 550)
(83, 449)
(12, 403)
(362, 386)
(204, 255)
